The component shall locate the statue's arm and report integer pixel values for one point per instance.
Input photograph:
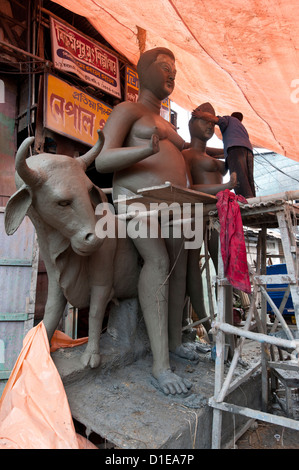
(215, 188)
(215, 152)
(114, 156)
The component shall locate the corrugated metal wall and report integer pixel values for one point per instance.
(8, 111)
(18, 276)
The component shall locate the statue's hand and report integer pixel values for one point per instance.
(154, 143)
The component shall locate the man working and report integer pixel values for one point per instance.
(237, 149)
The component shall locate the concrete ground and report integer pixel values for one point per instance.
(119, 402)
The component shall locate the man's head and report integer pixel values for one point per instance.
(237, 115)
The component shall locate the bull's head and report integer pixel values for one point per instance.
(56, 188)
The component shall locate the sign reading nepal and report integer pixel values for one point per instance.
(185, 221)
(70, 112)
(73, 52)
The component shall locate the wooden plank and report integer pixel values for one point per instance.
(290, 378)
(170, 193)
(286, 365)
(265, 279)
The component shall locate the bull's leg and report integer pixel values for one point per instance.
(101, 271)
(54, 309)
(99, 298)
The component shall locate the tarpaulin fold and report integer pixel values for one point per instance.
(34, 410)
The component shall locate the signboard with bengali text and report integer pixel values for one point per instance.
(73, 113)
(73, 52)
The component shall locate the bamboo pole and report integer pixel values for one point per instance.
(277, 313)
(260, 337)
(256, 414)
(237, 352)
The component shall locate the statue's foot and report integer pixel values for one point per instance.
(91, 358)
(171, 384)
(187, 351)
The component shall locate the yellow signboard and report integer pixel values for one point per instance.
(73, 113)
(131, 84)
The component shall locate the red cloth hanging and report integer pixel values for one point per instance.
(233, 249)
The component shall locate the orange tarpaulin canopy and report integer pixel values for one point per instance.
(240, 56)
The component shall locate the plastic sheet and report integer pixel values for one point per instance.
(61, 340)
(34, 410)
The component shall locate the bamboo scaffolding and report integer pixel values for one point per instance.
(281, 212)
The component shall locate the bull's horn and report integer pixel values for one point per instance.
(29, 176)
(91, 155)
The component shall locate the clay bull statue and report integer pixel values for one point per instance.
(83, 269)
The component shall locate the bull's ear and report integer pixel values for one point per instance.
(16, 209)
(97, 196)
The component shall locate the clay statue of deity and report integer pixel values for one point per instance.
(205, 173)
(142, 149)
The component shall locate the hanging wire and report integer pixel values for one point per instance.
(276, 167)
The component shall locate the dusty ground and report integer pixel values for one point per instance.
(268, 436)
(262, 435)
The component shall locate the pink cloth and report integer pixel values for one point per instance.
(233, 249)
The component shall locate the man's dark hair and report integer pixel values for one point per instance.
(237, 115)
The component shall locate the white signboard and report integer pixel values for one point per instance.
(73, 52)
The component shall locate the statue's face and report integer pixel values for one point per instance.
(161, 76)
(202, 129)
